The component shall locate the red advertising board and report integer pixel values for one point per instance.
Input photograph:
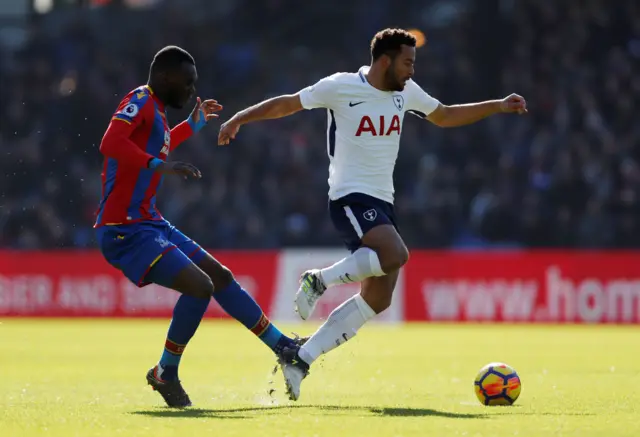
(565, 287)
(83, 284)
(524, 287)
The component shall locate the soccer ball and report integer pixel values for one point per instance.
(497, 384)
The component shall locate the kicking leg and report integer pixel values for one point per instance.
(342, 325)
(382, 252)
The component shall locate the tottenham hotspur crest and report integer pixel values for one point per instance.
(370, 215)
(398, 100)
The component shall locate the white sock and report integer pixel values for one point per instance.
(342, 324)
(361, 264)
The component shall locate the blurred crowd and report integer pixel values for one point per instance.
(565, 175)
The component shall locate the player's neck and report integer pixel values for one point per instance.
(156, 90)
(375, 77)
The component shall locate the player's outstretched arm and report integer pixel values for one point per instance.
(276, 107)
(460, 115)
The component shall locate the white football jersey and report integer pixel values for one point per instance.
(363, 135)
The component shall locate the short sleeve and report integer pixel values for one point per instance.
(420, 103)
(320, 95)
(132, 109)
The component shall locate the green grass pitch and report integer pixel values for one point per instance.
(86, 378)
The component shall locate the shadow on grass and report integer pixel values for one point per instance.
(516, 410)
(250, 412)
(533, 413)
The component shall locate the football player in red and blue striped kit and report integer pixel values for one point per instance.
(135, 238)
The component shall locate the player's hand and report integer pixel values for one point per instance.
(205, 110)
(183, 169)
(514, 103)
(228, 131)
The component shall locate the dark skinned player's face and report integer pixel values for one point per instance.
(400, 69)
(181, 85)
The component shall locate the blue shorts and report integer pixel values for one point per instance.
(356, 214)
(137, 247)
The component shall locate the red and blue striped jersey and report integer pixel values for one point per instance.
(137, 133)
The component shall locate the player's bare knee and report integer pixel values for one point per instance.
(394, 258)
(218, 274)
(203, 288)
(391, 250)
(199, 284)
(222, 278)
(402, 256)
(192, 281)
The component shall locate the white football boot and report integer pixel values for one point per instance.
(310, 290)
(294, 370)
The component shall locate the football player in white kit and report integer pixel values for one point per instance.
(365, 113)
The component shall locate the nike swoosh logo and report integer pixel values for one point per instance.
(351, 104)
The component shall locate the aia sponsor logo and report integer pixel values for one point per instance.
(381, 128)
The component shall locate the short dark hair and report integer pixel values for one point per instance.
(170, 58)
(390, 41)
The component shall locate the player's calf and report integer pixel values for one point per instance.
(378, 292)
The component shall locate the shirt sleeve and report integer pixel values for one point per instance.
(420, 103)
(180, 133)
(320, 95)
(132, 109)
(116, 143)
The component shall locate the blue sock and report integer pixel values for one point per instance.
(241, 306)
(187, 315)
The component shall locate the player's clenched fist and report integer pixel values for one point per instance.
(514, 103)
